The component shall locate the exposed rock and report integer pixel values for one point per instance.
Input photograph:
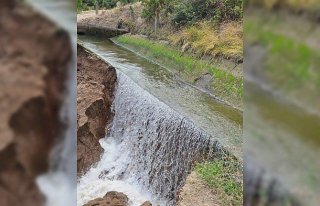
(34, 59)
(97, 30)
(204, 82)
(147, 203)
(96, 83)
(110, 199)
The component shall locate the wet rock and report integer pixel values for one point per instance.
(96, 83)
(110, 199)
(34, 66)
(204, 82)
(147, 203)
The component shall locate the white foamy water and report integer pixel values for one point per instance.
(148, 151)
(106, 176)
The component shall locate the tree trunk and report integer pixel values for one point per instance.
(97, 8)
(156, 21)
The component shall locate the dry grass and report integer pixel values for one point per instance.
(201, 39)
(205, 39)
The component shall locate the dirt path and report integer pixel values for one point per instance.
(196, 192)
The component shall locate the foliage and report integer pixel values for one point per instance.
(107, 4)
(225, 177)
(310, 5)
(153, 6)
(187, 12)
(192, 11)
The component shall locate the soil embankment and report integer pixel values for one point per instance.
(34, 59)
(196, 192)
(96, 83)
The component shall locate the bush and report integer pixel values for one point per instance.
(108, 4)
(192, 11)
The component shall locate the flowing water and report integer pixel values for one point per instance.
(160, 128)
(150, 147)
(216, 118)
(281, 137)
(59, 184)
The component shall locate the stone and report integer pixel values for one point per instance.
(110, 199)
(147, 203)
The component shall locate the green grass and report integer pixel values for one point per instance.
(186, 66)
(225, 178)
(290, 63)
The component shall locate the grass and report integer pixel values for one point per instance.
(186, 66)
(291, 64)
(204, 39)
(225, 178)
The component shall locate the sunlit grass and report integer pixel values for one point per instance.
(204, 39)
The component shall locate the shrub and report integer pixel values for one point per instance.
(192, 11)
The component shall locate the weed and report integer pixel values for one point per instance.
(225, 177)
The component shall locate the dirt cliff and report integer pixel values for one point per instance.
(34, 59)
(96, 83)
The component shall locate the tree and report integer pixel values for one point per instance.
(152, 9)
(97, 7)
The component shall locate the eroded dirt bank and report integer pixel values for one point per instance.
(96, 83)
(34, 59)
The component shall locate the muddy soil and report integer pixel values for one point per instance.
(34, 59)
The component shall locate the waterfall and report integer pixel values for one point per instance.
(149, 149)
(59, 184)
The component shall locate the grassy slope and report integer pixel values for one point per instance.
(291, 64)
(206, 39)
(225, 85)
